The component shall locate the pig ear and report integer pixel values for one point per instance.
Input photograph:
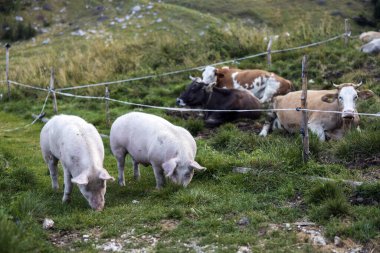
(105, 175)
(81, 179)
(169, 167)
(194, 165)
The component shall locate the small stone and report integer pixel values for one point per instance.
(318, 240)
(338, 242)
(242, 170)
(244, 249)
(86, 236)
(48, 223)
(243, 221)
(135, 201)
(288, 227)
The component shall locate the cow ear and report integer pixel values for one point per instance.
(365, 94)
(169, 167)
(82, 179)
(104, 175)
(194, 165)
(329, 98)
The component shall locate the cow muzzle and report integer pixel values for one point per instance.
(180, 102)
(349, 114)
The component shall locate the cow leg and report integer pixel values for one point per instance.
(318, 129)
(268, 125)
(136, 170)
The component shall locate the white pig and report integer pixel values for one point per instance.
(150, 139)
(80, 148)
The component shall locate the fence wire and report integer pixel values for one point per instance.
(201, 67)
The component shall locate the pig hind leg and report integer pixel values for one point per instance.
(52, 163)
(136, 170)
(68, 186)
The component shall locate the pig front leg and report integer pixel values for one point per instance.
(136, 170)
(53, 169)
(68, 186)
(159, 175)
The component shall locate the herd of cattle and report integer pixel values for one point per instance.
(250, 90)
(170, 149)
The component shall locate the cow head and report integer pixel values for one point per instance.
(347, 96)
(209, 75)
(195, 94)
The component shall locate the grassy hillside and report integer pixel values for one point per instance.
(221, 210)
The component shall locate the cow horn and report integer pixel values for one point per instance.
(192, 78)
(336, 85)
(209, 87)
(358, 85)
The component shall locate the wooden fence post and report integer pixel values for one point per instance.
(107, 95)
(305, 119)
(347, 31)
(269, 50)
(7, 46)
(55, 108)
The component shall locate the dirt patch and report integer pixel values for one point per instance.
(169, 225)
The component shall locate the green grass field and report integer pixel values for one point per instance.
(221, 210)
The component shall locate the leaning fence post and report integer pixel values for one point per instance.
(107, 96)
(347, 31)
(55, 108)
(7, 46)
(304, 121)
(269, 50)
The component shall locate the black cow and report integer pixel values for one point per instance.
(212, 98)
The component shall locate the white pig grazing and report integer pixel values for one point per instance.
(80, 148)
(150, 139)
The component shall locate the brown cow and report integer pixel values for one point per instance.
(324, 124)
(263, 84)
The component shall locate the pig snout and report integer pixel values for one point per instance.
(97, 204)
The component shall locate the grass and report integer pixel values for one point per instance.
(278, 188)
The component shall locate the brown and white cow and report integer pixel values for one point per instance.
(324, 124)
(263, 84)
(199, 94)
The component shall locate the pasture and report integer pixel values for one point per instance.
(256, 194)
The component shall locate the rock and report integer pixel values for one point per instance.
(338, 242)
(241, 170)
(45, 42)
(243, 249)
(318, 240)
(288, 227)
(243, 221)
(19, 18)
(48, 223)
(110, 246)
(79, 32)
(135, 201)
(135, 9)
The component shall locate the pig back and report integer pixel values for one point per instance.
(150, 138)
(72, 140)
